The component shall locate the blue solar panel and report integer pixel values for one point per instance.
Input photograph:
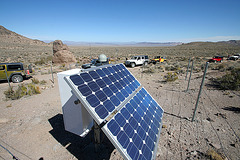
(103, 89)
(135, 129)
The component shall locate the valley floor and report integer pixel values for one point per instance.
(32, 127)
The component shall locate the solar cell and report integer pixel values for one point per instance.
(103, 89)
(135, 129)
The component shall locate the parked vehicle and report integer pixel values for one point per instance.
(14, 72)
(235, 57)
(102, 60)
(216, 59)
(158, 59)
(137, 60)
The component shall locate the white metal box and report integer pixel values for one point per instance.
(76, 118)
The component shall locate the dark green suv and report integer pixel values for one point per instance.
(13, 71)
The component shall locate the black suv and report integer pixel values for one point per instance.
(14, 72)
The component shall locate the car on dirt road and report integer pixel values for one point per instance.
(216, 59)
(158, 59)
(137, 60)
(235, 57)
(15, 72)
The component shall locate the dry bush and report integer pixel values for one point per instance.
(17, 94)
(149, 70)
(42, 82)
(43, 60)
(35, 80)
(171, 77)
(33, 89)
(213, 155)
(230, 81)
(22, 91)
(224, 66)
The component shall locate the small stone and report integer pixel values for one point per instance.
(233, 144)
(210, 120)
(164, 126)
(217, 146)
(194, 153)
(3, 120)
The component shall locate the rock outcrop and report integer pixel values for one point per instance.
(62, 54)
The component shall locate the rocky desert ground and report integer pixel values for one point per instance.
(32, 127)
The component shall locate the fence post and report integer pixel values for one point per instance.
(7, 79)
(188, 68)
(52, 74)
(190, 77)
(200, 91)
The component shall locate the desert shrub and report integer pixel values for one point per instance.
(172, 68)
(167, 68)
(181, 71)
(17, 94)
(170, 77)
(229, 81)
(149, 70)
(21, 91)
(42, 82)
(211, 154)
(40, 62)
(43, 60)
(196, 69)
(159, 68)
(202, 66)
(33, 89)
(48, 58)
(35, 80)
(222, 67)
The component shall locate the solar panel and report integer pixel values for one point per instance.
(103, 89)
(135, 129)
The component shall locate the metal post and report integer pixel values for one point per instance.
(190, 77)
(7, 79)
(200, 91)
(188, 68)
(52, 74)
(97, 136)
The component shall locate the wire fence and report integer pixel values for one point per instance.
(211, 132)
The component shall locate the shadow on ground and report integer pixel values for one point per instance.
(177, 116)
(81, 148)
(233, 109)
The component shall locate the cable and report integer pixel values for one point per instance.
(9, 152)
(1, 141)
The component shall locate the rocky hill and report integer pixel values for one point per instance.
(17, 48)
(7, 36)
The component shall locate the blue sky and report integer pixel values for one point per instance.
(123, 20)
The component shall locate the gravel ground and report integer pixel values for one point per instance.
(32, 127)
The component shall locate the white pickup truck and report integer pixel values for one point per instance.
(137, 60)
(235, 57)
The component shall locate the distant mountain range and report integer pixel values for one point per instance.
(136, 44)
(7, 36)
